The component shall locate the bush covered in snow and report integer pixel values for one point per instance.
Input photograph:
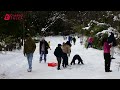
(97, 44)
(97, 31)
(94, 27)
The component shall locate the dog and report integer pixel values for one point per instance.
(75, 58)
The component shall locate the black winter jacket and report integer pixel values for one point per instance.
(112, 39)
(58, 52)
(46, 46)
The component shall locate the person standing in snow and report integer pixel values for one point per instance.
(49, 44)
(29, 48)
(66, 48)
(74, 40)
(90, 41)
(69, 44)
(58, 53)
(112, 39)
(70, 39)
(64, 37)
(106, 48)
(81, 39)
(43, 49)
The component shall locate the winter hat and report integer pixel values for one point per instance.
(59, 45)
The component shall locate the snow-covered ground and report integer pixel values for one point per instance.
(13, 65)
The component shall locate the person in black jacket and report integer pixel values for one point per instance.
(74, 40)
(112, 39)
(43, 48)
(58, 53)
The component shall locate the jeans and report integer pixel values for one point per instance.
(41, 55)
(29, 58)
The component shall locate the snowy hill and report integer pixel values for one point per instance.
(13, 65)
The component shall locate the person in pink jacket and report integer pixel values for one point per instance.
(90, 41)
(106, 48)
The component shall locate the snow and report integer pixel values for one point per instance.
(119, 15)
(43, 29)
(96, 22)
(115, 18)
(110, 29)
(13, 65)
(86, 28)
(99, 24)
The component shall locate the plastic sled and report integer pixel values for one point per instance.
(52, 64)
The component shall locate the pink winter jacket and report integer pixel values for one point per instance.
(106, 47)
(90, 39)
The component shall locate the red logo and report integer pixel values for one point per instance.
(7, 17)
(13, 17)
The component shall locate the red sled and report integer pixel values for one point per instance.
(52, 64)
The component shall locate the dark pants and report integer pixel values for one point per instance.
(65, 60)
(89, 45)
(59, 62)
(107, 61)
(75, 58)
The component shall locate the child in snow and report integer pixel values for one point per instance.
(74, 40)
(58, 53)
(90, 41)
(49, 44)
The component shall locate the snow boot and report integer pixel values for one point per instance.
(29, 70)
